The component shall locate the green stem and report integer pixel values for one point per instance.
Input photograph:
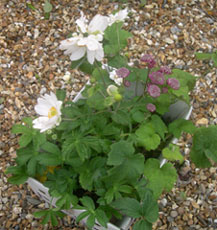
(103, 79)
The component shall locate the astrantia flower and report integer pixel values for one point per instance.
(87, 39)
(165, 69)
(151, 107)
(127, 83)
(120, 16)
(153, 90)
(122, 72)
(164, 90)
(113, 76)
(173, 83)
(48, 107)
(149, 60)
(157, 78)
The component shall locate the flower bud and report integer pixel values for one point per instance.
(157, 78)
(118, 97)
(122, 72)
(173, 83)
(151, 107)
(54, 137)
(148, 59)
(165, 69)
(127, 83)
(153, 90)
(112, 90)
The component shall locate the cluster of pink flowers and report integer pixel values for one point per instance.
(157, 82)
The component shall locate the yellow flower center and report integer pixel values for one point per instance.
(52, 112)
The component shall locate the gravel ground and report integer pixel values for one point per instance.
(31, 64)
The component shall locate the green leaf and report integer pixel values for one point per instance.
(116, 38)
(24, 140)
(31, 166)
(49, 159)
(88, 203)
(18, 179)
(159, 179)
(53, 219)
(185, 78)
(90, 221)
(82, 216)
(159, 125)
(181, 125)
(18, 128)
(138, 116)
(142, 225)
(147, 137)
(101, 217)
(204, 146)
(86, 67)
(203, 56)
(46, 218)
(61, 94)
(118, 152)
(172, 153)
(40, 214)
(51, 148)
(214, 58)
(121, 117)
(82, 149)
(47, 7)
(149, 207)
(162, 103)
(129, 206)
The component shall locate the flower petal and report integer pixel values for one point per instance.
(78, 53)
(98, 23)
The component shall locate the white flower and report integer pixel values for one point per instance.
(78, 46)
(97, 25)
(120, 16)
(87, 40)
(113, 76)
(48, 107)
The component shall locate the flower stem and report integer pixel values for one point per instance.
(101, 74)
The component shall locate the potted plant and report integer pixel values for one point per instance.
(99, 156)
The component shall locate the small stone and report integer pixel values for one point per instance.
(175, 30)
(149, 42)
(202, 121)
(34, 224)
(169, 41)
(174, 214)
(181, 210)
(163, 202)
(17, 210)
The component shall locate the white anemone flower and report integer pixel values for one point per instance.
(97, 25)
(113, 76)
(120, 16)
(87, 40)
(48, 107)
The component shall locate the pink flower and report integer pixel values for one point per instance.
(127, 83)
(148, 59)
(157, 78)
(164, 90)
(151, 107)
(165, 69)
(122, 72)
(173, 83)
(153, 90)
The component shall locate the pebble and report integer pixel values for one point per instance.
(163, 202)
(173, 214)
(175, 30)
(169, 40)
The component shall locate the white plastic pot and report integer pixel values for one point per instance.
(177, 110)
